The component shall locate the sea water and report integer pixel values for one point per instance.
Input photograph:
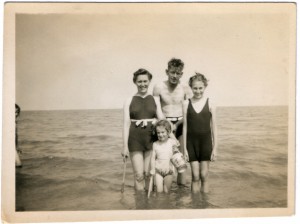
(72, 161)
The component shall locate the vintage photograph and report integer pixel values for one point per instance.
(149, 107)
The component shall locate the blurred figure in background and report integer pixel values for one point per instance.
(18, 151)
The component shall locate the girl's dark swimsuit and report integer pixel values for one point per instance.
(140, 138)
(199, 142)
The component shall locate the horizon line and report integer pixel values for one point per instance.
(122, 108)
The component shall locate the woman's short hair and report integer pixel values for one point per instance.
(141, 71)
(198, 77)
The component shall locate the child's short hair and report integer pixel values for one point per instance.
(141, 71)
(175, 62)
(163, 123)
(198, 77)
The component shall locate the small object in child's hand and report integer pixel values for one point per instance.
(178, 161)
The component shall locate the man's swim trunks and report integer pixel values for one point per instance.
(179, 129)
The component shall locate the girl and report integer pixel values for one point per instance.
(140, 113)
(199, 133)
(163, 149)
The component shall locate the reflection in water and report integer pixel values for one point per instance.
(201, 200)
(179, 198)
(127, 202)
(161, 201)
(141, 200)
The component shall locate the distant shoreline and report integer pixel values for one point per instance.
(114, 109)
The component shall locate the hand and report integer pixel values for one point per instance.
(125, 155)
(186, 156)
(155, 120)
(175, 148)
(213, 156)
(152, 172)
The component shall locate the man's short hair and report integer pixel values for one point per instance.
(175, 62)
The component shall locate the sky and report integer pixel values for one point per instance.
(86, 60)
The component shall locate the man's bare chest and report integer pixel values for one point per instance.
(172, 97)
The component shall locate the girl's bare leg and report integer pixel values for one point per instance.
(195, 176)
(167, 183)
(204, 167)
(159, 181)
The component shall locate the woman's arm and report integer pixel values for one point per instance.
(184, 108)
(213, 125)
(159, 112)
(126, 126)
(157, 90)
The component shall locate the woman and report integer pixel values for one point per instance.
(140, 114)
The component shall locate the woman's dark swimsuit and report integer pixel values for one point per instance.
(140, 138)
(199, 142)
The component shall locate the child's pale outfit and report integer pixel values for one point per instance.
(164, 152)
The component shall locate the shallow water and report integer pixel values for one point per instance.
(71, 161)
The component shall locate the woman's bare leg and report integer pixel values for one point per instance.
(137, 160)
(147, 159)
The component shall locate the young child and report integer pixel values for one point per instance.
(199, 132)
(163, 150)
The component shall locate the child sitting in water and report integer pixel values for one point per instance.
(163, 150)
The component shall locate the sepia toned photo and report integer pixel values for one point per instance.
(138, 111)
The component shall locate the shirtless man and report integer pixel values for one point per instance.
(172, 93)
